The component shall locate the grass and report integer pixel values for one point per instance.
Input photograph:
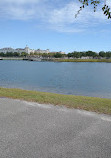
(63, 60)
(100, 105)
(12, 58)
(83, 60)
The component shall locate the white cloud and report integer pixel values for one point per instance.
(19, 1)
(65, 17)
(108, 2)
(60, 18)
(19, 9)
(67, 29)
(20, 13)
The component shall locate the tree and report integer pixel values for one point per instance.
(2, 54)
(105, 8)
(108, 54)
(24, 54)
(9, 54)
(58, 55)
(44, 55)
(102, 54)
(91, 53)
(76, 54)
(16, 54)
(51, 55)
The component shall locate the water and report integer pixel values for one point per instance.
(87, 79)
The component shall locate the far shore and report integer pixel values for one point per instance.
(12, 58)
(59, 59)
(99, 105)
(83, 60)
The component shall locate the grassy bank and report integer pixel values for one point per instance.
(99, 105)
(83, 60)
(62, 60)
(12, 58)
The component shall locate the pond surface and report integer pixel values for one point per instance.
(87, 79)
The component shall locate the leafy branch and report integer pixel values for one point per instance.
(95, 3)
(106, 11)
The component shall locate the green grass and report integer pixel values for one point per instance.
(12, 58)
(83, 60)
(100, 105)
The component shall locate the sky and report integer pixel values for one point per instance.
(51, 24)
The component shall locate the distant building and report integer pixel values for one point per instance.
(27, 50)
(42, 51)
(61, 52)
(87, 57)
(7, 49)
(58, 52)
(18, 50)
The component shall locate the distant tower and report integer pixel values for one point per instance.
(27, 49)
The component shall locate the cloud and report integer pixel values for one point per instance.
(67, 14)
(58, 15)
(19, 9)
(20, 13)
(65, 17)
(108, 2)
(19, 1)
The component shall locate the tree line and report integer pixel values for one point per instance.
(92, 54)
(13, 54)
(24, 54)
(74, 54)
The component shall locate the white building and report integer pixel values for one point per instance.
(58, 52)
(42, 51)
(19, 50)
(87, 57)
(7, 49)
(27, 50)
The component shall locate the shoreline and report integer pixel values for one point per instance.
(83, 60)
(95, 104)
(60, 60)
(12, 58)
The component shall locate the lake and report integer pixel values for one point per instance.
(78, 78)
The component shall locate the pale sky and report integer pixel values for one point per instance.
(52, 24)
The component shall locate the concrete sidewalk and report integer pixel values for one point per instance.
(31, 130)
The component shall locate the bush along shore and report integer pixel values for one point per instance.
(86, 56)
(99, 105)
(56, 59)
(83, 60)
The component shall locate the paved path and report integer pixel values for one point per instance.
(31, 130)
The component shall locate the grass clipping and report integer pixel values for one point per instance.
(100, 105)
